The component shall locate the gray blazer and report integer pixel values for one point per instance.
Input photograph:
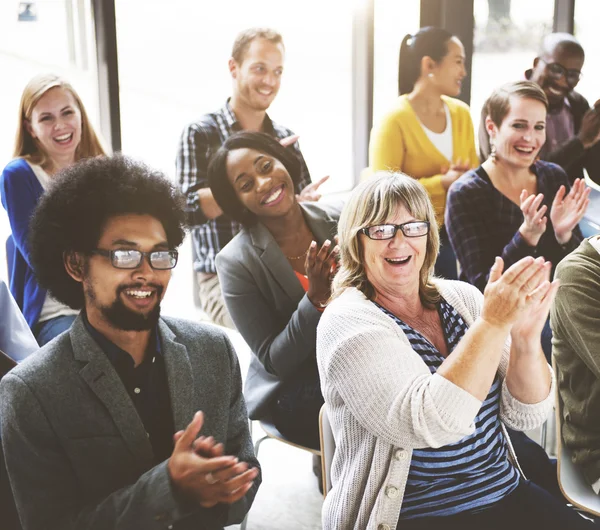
(269, 306)
(77, 453)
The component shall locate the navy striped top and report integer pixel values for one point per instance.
(471, 474)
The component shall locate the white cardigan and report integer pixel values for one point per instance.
(383, 401)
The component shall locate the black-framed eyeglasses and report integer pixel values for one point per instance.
(132, 259)
(388, 231)
(558, 71)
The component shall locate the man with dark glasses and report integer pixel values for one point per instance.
(572, 127)
(100, 426)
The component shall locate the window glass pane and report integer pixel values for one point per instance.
(587, 13)
(173, 69)
(506, 41)
(393, 20)
(60, 40)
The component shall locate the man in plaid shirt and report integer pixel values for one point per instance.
(256, 66)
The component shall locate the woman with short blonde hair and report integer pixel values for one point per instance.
(53, 132)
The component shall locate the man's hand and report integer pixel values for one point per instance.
(202, 473)
(289, 140)
(310, 193)
(589, 133)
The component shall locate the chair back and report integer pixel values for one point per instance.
(327, 448)
(7, 363)
(570, 478)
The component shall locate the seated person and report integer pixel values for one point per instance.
(53, 132)
(574, 316)
(514, 205)
(275, 276)
(428, 133)
(16, 339)
(572, 128)
(99, 427)
(421, 374)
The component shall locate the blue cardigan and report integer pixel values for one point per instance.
(20, 191)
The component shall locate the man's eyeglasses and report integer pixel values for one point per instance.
(132, 259)
(410, 229)
(557, 71)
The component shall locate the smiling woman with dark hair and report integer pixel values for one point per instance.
(275, 276)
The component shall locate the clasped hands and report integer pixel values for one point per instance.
(201, 471)
(566, 213)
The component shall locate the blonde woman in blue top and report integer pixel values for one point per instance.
(53, 132)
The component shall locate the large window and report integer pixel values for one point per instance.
(587, 13)
(393, 20)
(506, 41)
(173, 68)
(46, 36)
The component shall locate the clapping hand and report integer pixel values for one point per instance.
(320, 268)
(589, 132)
(534, 220)
(568, 210)
(508, 297)
(528, 328)
(202, 473)
(310, 193)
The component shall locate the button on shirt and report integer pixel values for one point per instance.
(199, 142)
(147, 387)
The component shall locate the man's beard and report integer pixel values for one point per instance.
(125, 319)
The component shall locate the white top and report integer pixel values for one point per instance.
(52, 308)
(442, 141)
(382, 402)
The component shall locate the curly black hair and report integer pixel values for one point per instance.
(221, 187)
(72, 213)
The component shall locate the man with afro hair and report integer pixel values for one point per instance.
(100, 427)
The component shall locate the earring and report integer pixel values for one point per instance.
(430, 75)
(492, 150)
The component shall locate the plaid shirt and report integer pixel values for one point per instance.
(482, 223)
(199, 142)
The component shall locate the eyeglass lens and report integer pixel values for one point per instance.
(130, 259)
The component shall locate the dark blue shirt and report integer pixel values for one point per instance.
(482, 223)
(147, 387)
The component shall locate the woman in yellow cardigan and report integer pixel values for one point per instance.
(428, 134)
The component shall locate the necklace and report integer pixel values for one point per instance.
(300, 256)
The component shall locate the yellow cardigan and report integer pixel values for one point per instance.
(400, 143)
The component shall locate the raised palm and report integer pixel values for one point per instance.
(568, 209)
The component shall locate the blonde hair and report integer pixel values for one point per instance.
(245, 38)
(26, 146)
(497, 105)
(375, 201)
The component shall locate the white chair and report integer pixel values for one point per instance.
(272, 433)
(570, 478)
(327, 448)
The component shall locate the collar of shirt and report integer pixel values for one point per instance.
(234, 124)
(119, 358)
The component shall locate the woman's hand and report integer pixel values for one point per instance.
(452, 173)
(320, 268)
(527, 330)
(567, 211)
(507, 296)
(534, 220)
